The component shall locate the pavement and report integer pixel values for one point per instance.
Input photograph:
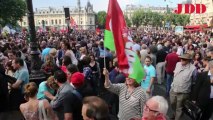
(160, 89)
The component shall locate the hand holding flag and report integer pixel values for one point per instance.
(117, 39)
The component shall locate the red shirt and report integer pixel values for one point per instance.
(171, 61)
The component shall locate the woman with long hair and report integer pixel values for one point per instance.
(49, 66)
(30, 109)
(47, 89)
(68, 52)
(197, 61)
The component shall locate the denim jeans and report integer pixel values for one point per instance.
(169, 79)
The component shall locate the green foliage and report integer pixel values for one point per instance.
(138, 18)
(11, 11)
(128, 22)
(141, 17)
(101, 19)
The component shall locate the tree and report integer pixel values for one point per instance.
(101, 19)
(138, 17)
(11, 11)
(128, 22)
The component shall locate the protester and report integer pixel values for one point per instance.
(48, 66)
(94, 108)
(68, 52)
(47, 89)
(203, 92)
(197, 61)
(160, 67)
(73, 102)
(170, 62)
(4, 92)
(150, 41)
(184, 76)
(63, 92)
(31, 108)
(65, 62)
(131, 97)
(155, 109)
(148, 83)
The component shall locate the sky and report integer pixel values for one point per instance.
(99, 5)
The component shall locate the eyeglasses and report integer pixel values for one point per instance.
(147, 108)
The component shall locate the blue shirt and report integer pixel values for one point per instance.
(150, 72)
(42, 88)
(23, 75)
(103, 52)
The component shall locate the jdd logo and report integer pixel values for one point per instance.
(190, 8)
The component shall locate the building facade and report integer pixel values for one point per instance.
(54, 18)
(130, 9)
(205, 18)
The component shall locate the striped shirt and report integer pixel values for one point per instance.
(130, 105)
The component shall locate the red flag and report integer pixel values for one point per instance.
(73, 23)
(116, 23)
(97, 31)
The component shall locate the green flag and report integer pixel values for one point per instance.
(109, 40)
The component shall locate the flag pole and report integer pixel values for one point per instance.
(104, 57)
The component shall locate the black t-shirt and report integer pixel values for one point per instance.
(72, 104)
(3, 93)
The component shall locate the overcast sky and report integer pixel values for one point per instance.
(102, 4)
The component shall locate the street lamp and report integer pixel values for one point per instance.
(36, 74)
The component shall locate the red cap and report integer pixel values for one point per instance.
(77, 79)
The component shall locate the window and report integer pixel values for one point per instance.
(56, 22)
(59, 21)
(81, 22)
(90, 22)
(24, 23)
(81, 18)
(52, 22)
(46, 22)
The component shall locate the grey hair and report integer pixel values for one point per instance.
(162, 104)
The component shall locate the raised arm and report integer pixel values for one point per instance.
(115, 88)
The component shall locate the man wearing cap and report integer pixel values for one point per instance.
(184, 75)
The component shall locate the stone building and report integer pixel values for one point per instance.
(205, 18)
(54, 18)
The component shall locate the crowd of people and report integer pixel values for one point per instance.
(83, 80)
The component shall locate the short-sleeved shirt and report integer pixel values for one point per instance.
(171, 61)
(72, 104)
(150, 73)
(23, 75)
(42, 88)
